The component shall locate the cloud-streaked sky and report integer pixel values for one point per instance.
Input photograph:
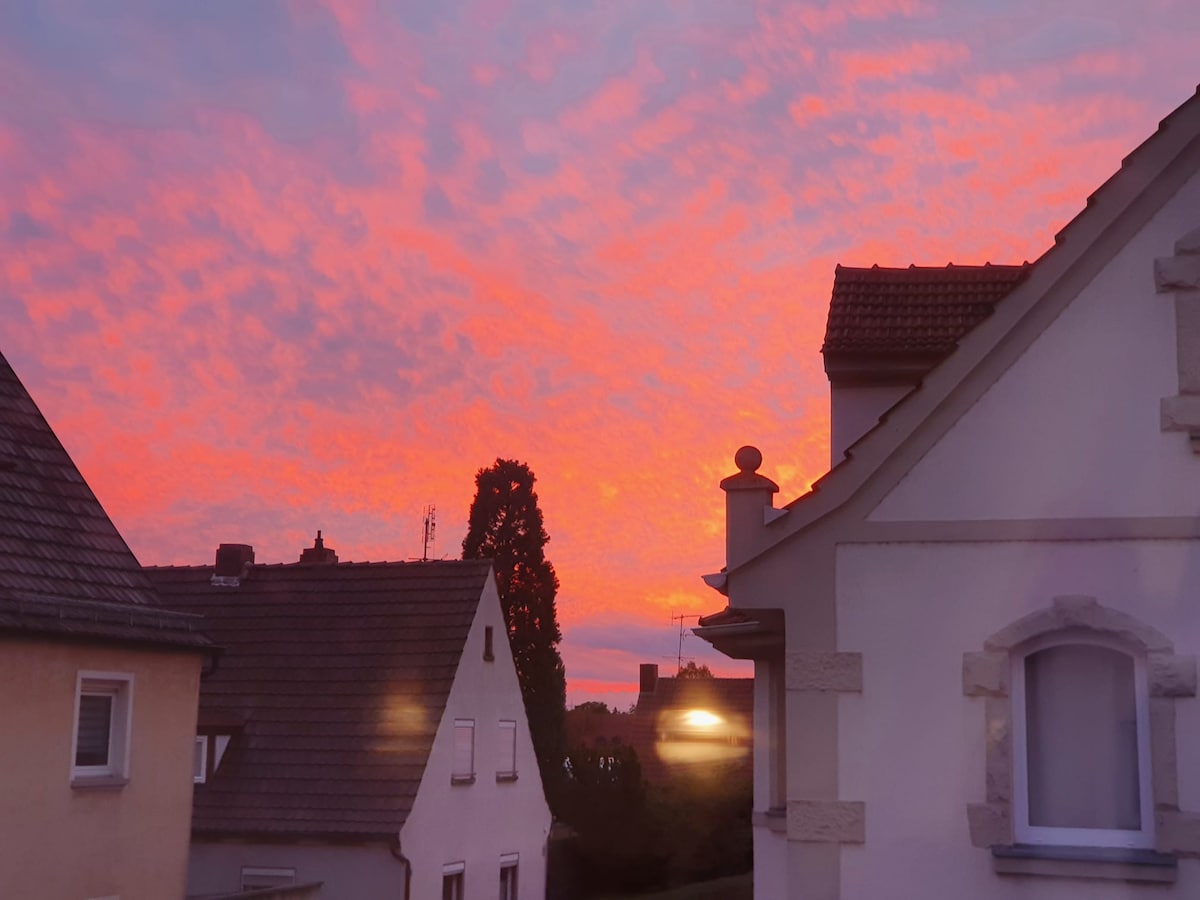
(271, 267)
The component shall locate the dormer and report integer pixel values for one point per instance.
(888, 328)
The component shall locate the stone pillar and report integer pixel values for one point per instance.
(748, 496)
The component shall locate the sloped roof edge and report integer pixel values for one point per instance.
(1147, 178)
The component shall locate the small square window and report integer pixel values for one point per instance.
(463, 771)
(506, 739)
(103, 713)
(200, 759)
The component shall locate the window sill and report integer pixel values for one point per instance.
(1105, 863)
(505, 777)
(462, 779)
(98, 782)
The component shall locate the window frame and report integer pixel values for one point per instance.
(118, 686)
(509, 864)
(201, 776)
(454, 876)
(1023, 831)
(460, 774)
(506, 737)
(268, 877)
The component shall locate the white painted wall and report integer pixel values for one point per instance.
(477, 823)
(912, 746)
(1072, 429)
(853, 411)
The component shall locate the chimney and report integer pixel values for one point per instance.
(232, 563)
(648, 678)
(318, 552)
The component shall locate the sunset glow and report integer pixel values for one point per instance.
(270, 268)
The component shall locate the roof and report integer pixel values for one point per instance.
(64, 568)
(1114, 213)
(340, 673)
(879, 315)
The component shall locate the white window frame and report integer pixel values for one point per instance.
(1080, 837)
(201, 775)
(462, 771)
(266, 877)
(506, 736)
(119, 687)
(509, 862)
(458, 872)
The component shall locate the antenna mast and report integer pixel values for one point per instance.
(679, 656)
(429, 525)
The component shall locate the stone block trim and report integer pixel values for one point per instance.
(985, 674)
(1177, 832)
(1169, 676)
(818, 670)
(1082, 613)
(1180, 275)
(990, 824)
(827, 821)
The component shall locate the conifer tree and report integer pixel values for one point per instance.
(506, 526)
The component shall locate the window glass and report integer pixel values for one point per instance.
(508, 881)
(452, 886)
(464, 748)
(95, 729)
(507, 740)
(1081, 738)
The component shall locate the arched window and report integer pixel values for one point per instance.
(1081, 744)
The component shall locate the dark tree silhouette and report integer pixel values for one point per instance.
(691, 670)
(506, 526)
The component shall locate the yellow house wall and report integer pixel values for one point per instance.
(72, 843)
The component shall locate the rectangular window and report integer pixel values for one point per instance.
(200, 759)
(453, 879)
(1081, 777)
(463, 771)
(103, 711)
(506, 738)
(264, 877)
(488, 650)
(508, 876)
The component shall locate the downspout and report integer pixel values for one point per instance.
(394, 846)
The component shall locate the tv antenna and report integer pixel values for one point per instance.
(429, 526)
(679, 656)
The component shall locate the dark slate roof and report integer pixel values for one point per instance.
(64, 569)
(919, 310)
(340, 673)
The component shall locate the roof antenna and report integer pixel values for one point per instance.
(679, 657)
(429, 524)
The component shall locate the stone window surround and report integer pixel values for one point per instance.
(1169, 676)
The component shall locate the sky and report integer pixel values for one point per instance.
(275, 267)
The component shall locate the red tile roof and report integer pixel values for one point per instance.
(340, 673)
(64, 568)
(917, 310)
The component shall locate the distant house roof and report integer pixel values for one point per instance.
(890, 325)
(340, 673)
(64, 568)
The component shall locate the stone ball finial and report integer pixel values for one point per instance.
(748, 459)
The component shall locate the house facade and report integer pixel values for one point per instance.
(365, 731)
(100, 687)
(975, 638)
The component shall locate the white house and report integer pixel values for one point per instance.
(975, 638)
(364, 731)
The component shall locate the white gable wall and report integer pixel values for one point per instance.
(1071, 430)
(912, 745)
(477, 823)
